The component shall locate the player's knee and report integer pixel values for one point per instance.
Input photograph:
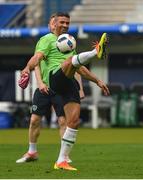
(34, 123)
(62, 122)
(74, 121)
(68, 68)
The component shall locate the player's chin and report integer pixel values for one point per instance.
(64, 31)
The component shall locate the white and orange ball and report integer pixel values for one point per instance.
(66, 43)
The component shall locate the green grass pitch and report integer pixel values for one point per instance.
(98, 154)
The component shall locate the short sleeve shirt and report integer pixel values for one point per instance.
(53, 58)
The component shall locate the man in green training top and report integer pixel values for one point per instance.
(42, 102)
(61, 71)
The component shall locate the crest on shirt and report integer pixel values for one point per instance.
(34, 107)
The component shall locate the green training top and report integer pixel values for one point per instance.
(53, 57)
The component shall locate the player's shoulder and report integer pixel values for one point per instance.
(47, 36)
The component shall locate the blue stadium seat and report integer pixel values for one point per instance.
(53, 6)
(8, 12)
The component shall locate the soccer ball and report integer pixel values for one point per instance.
(66, 43)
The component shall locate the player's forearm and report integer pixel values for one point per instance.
(78, 78)
(38, 75)
(86, 74)
(81, 91)
(33, 62)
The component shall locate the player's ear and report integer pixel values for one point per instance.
(54, 22)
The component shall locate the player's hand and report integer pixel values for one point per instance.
(25, 71)
(95, 44)
(104, 88)
(43, 88)
(24, 80)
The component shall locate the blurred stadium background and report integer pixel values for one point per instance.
(23, 22)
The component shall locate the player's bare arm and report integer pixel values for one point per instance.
(33, 62)
(81, 91)
(85, 73)
(42, 86)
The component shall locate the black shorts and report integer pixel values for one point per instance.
(65, 87)
(42, 103)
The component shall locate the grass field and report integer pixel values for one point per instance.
(98, 154)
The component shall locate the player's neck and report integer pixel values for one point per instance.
(56, 33)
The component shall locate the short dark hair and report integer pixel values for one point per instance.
(65, 14)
